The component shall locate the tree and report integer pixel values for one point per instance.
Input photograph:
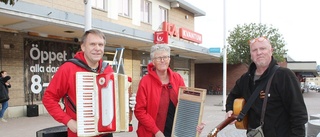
(239, 51)
(12, 2)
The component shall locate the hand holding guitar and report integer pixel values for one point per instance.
(223, 124)
(231, 117)
(228, 115)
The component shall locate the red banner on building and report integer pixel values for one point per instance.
(160, 37)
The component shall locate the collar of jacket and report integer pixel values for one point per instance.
(153, 74)
(253, 67)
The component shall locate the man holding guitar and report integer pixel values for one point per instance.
(285, 114)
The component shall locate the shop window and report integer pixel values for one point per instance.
(100, 4)
(145, 60)
(145, 11)
(163, 15)
(125, 8)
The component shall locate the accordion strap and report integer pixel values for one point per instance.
(85, 66)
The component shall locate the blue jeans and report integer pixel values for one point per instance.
(4, 108)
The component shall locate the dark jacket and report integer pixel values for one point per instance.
(4, 80)
(286, 112)
(4, 95)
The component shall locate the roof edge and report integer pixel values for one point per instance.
(189, 7)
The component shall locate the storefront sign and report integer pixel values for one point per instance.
(160, 37)
(170, 28)
(42, 60)
(184, 33)
(190, 35)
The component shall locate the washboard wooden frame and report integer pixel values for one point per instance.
(189, 112)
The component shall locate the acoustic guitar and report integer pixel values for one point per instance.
(237, 107)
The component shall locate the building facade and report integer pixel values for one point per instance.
(37, 36)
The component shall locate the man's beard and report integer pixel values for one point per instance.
(263, 63)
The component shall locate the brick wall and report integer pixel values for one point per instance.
(12, 62)
(212, 75)
(136, 68)
(177, 17)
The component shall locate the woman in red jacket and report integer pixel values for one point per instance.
(157, 96)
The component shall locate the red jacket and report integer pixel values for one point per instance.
(62, 83)
(148, 98)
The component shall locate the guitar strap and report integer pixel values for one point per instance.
(265, 100)
(255, 95)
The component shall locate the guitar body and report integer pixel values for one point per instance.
(237, 107)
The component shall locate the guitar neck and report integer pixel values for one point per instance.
(222, 125)
(237, 107)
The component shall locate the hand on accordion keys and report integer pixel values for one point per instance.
(132, 101)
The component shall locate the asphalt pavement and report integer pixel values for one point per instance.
(213, 114)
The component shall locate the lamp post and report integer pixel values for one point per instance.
(87, 15)
(224, 87)
(260, 11)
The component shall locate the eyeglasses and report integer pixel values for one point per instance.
(260, 39)
(164, 58)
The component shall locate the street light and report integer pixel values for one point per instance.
(224, 87)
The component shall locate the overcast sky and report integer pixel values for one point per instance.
(298, 21)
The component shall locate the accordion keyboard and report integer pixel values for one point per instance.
(85, 111)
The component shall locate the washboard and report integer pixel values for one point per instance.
(189, 112)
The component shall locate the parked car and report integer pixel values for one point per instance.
(317, 88)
